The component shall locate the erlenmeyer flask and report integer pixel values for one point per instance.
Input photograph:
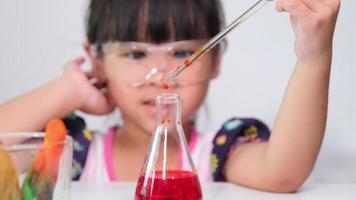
(168, 172)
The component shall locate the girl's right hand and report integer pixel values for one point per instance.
(91, 98)
(313, 22)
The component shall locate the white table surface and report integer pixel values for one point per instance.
(224, 191)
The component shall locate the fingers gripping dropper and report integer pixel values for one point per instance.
(169, 78)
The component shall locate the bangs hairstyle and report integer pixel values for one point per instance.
(153, 21)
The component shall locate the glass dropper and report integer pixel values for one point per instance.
(169, 78)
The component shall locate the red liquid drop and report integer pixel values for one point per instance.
(165, 86)
(186, 62)
(178, 185)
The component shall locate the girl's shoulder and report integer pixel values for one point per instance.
(82, 137)
(210, 150)
(234, 132)
(91, 151)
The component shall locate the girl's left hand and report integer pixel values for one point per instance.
(313, 22)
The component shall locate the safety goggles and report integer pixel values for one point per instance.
(140, 61)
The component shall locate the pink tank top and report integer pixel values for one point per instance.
(99, 164)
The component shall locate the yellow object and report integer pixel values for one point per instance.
(87, 134)
(9, 184)
(214, 162)
(251, 131)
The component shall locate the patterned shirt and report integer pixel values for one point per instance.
(92, 156)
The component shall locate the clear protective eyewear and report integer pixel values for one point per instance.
(138, 61)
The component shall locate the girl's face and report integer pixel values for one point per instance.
(126, 64)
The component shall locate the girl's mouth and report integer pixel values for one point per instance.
(150, 106)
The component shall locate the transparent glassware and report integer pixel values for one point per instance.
(21, 151)
(168, 171)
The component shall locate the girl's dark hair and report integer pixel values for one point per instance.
(155, 21)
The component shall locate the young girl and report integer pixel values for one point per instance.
(128, 39)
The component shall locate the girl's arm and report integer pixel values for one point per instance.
(284, 162)
(56, 99)
(31, 111)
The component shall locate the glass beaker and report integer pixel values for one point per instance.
(168, 171)
(21, 151)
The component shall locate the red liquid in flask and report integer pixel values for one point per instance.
(178, 185)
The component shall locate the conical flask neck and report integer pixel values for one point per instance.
(168, 107)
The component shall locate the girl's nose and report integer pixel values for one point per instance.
(156, 78)
(161, 62)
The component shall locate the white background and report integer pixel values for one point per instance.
(37, 37)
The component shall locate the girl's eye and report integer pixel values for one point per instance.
(136, 54)
(182, 54)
